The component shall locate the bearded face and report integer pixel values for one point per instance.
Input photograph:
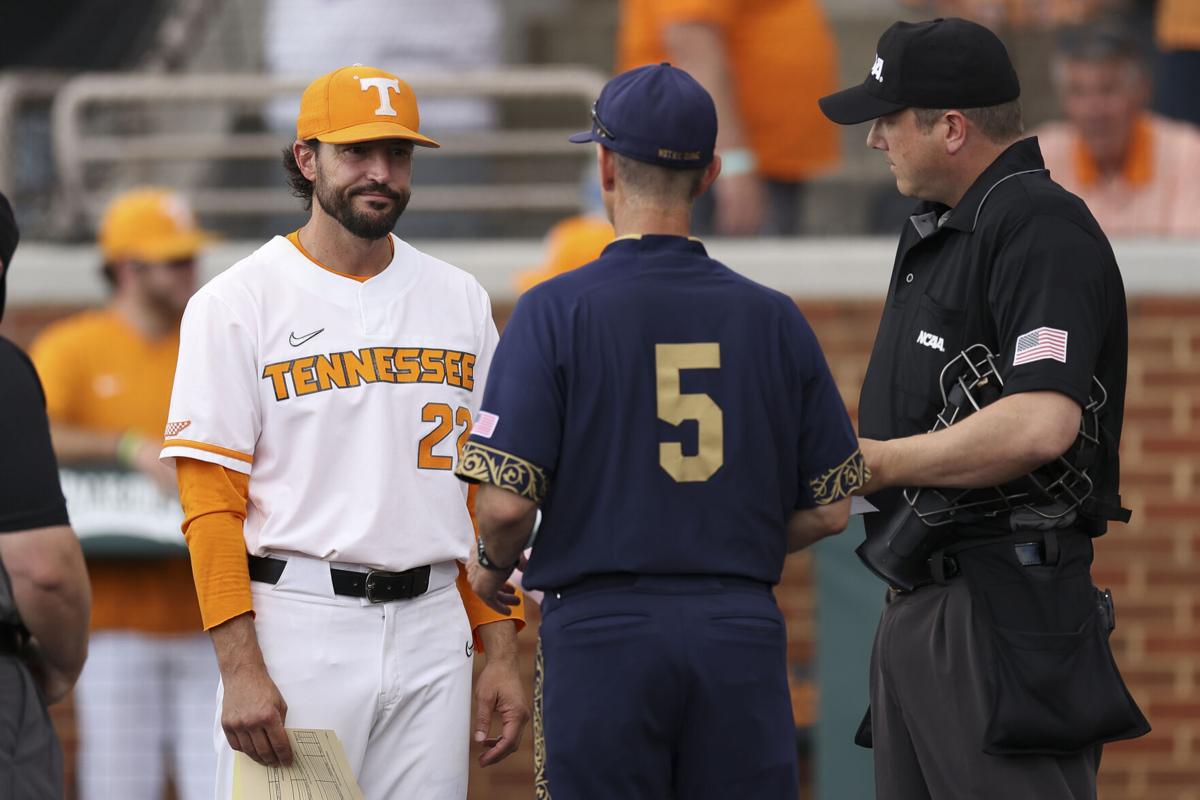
(365, 186)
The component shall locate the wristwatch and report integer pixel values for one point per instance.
(487, 563)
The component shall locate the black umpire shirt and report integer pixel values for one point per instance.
(1021, 266)
(30, 494)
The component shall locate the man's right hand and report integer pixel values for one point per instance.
(253, 713)
(253, 710)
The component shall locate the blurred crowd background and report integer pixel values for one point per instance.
(199, 97)
(1108, 83)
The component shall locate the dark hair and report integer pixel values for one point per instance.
(1109, 39)
(1000, 123)
(659, 185)
(301, 186)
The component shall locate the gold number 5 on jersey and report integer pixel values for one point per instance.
(675, 407)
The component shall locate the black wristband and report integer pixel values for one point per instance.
(487, 563)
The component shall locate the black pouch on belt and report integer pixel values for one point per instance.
(1055, 687)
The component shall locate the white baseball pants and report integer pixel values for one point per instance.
(393, 680)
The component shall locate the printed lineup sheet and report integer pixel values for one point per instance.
(319, 771)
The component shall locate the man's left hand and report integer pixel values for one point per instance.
(493, 588)
(498, 692)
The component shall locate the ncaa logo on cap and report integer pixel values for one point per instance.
(877, 69)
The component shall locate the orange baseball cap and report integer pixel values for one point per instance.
(150, 224)
(570, 244)
(359, 104)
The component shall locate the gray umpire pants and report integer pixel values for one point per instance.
(929, 711)
(30, 758)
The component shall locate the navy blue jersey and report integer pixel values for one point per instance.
(667, 415)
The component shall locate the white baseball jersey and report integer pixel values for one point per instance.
(346, 402)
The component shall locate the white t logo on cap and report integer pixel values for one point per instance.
(382, 85)
(877, 69)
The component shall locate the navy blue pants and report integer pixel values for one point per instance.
(663, 687)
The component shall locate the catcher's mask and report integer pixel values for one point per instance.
(1048, 497)
(1053, 491)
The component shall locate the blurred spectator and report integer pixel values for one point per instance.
(1020, 13)
(1177, 76)
(43, 582)
(570, 244)
(1138, 172)
(146, 698)
(765, 62)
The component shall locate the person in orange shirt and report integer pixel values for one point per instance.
(151, 677)
(1019, 13)
(1177, 73)
(1138, 172)
(765, 63)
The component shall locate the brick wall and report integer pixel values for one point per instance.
(1151, 564)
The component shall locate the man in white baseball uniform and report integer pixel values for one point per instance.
(324, 388)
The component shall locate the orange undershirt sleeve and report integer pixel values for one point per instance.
(478, 613)
(214, 508)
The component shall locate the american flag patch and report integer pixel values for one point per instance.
(485, 426)
(1041, 343)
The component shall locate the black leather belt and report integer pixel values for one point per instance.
(943, 566)
(376, 586)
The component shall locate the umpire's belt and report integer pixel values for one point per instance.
(943, 564)
(376, 586)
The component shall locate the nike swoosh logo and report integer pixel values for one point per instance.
(296, 341)
(470, 648)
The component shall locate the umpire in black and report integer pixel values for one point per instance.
(993, 677)
(44, 593)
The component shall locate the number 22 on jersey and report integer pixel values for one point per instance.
(674, 407)
(447, 420)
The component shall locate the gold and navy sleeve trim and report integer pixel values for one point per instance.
(482, 464)
(841, 481)
(541, 785)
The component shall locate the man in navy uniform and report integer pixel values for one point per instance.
(678, 427)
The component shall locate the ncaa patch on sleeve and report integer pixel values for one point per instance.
(485, 426)
(1039, 344)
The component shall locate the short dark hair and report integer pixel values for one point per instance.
(660, 185)
(1107, 39)
(1000, 123)
(301, 186)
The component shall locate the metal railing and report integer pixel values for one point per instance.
(17, 88)
(78, 147)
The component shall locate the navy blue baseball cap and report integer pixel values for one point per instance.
(658, 114)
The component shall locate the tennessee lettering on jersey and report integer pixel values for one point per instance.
(254, 403)
(351, 369)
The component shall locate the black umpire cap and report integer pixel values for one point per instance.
(943, 63)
